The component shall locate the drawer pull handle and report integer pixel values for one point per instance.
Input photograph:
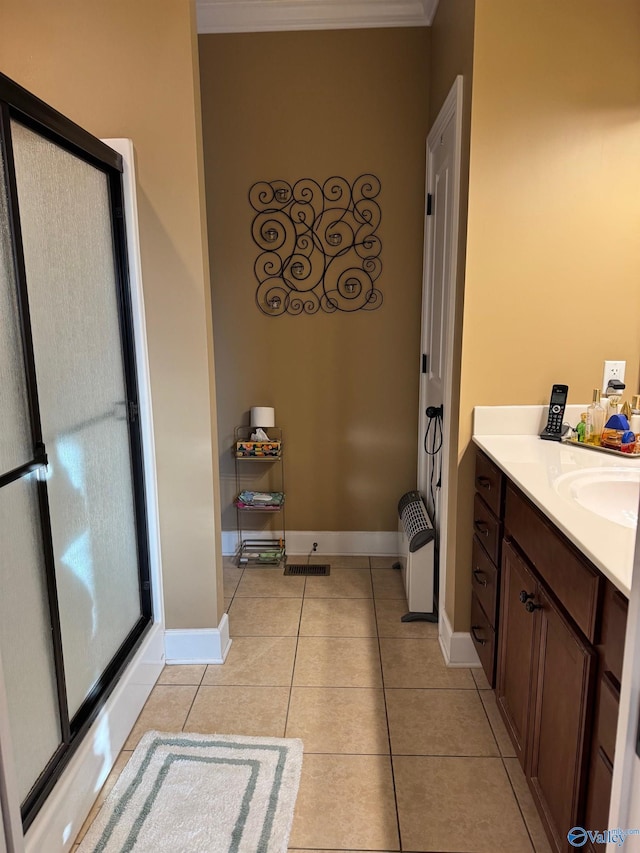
(525, 596)
(481, 527)
(530, 607)
(479, 576)
(476, 637)
(484, 482)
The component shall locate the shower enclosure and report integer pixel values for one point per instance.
(75, 597)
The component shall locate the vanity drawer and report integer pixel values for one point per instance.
(487, 528)
(612, 632)
(484, 581)
(484, 639)
(607, 715)
(489, 482)
(574, 582)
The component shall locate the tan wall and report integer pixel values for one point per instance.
(553, 255)
(127, 69)
(345, 387)
(452, 35)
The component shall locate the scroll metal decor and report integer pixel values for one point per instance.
(319, 249)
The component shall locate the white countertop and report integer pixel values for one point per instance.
(535, 466)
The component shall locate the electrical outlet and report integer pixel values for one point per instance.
(315, 546)
(613, 370)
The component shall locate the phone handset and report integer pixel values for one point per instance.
(557, 404)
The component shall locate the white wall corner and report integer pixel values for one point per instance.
(457, 646)
(197, 645)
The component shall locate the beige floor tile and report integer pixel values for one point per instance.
(337, 561)
(345, 802)
(253, 711)
(419, 663)
(527, 807)
(181, 674)
(255, 662)
(165, 710)
(337, 662)
(341, 583)
(272, 583)
(339, 720)
(480, 678)
(231, 576)
(439, 722)
(264, 617)
(455, 804)
(499, 729)
(384, 562)
(387, 583)
(389, 615)
(338, 617)
(104, 792)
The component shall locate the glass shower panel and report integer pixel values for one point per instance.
(25, 634)
(66, 226)
(16, 447)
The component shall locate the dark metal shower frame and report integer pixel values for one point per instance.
(18, 104)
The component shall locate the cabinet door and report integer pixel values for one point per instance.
(518, 642)
(564, 692)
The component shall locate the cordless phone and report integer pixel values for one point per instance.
(557, 403)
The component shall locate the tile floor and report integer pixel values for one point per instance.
(401, 753)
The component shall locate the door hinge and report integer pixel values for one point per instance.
(146, 586)
(425, 362)
(133, 411)
(429, 204)
(119, 214)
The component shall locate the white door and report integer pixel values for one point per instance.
(438, 311)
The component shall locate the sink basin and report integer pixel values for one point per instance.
(611, 493)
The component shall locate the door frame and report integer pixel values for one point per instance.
(451, 111)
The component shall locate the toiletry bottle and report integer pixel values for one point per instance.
(634, 420)
(581, 428)
(595, 420)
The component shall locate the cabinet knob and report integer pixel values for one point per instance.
(475, 636)
(525, 596)
(484, 482)
(479, 576)
(481, 527)
(530, 607)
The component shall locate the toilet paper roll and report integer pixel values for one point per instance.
(263, 416)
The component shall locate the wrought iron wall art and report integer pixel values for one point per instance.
(318, 246)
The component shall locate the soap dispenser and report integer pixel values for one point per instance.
(595, 419)
(634, 420)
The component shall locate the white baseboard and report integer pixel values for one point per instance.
(457, 646)
(198, 645)
(371, 542)
(66, 808)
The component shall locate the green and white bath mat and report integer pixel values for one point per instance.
(188, 793)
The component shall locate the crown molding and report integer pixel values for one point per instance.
(244, 16)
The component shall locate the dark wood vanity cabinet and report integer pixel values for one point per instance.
(560, 640)
(485, 568)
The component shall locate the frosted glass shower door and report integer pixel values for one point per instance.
(70, 267)
(25, 620)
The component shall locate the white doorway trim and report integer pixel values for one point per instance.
(451, 111)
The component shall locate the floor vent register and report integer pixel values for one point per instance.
(303, 569)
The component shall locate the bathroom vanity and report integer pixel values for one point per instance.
(550, 583)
